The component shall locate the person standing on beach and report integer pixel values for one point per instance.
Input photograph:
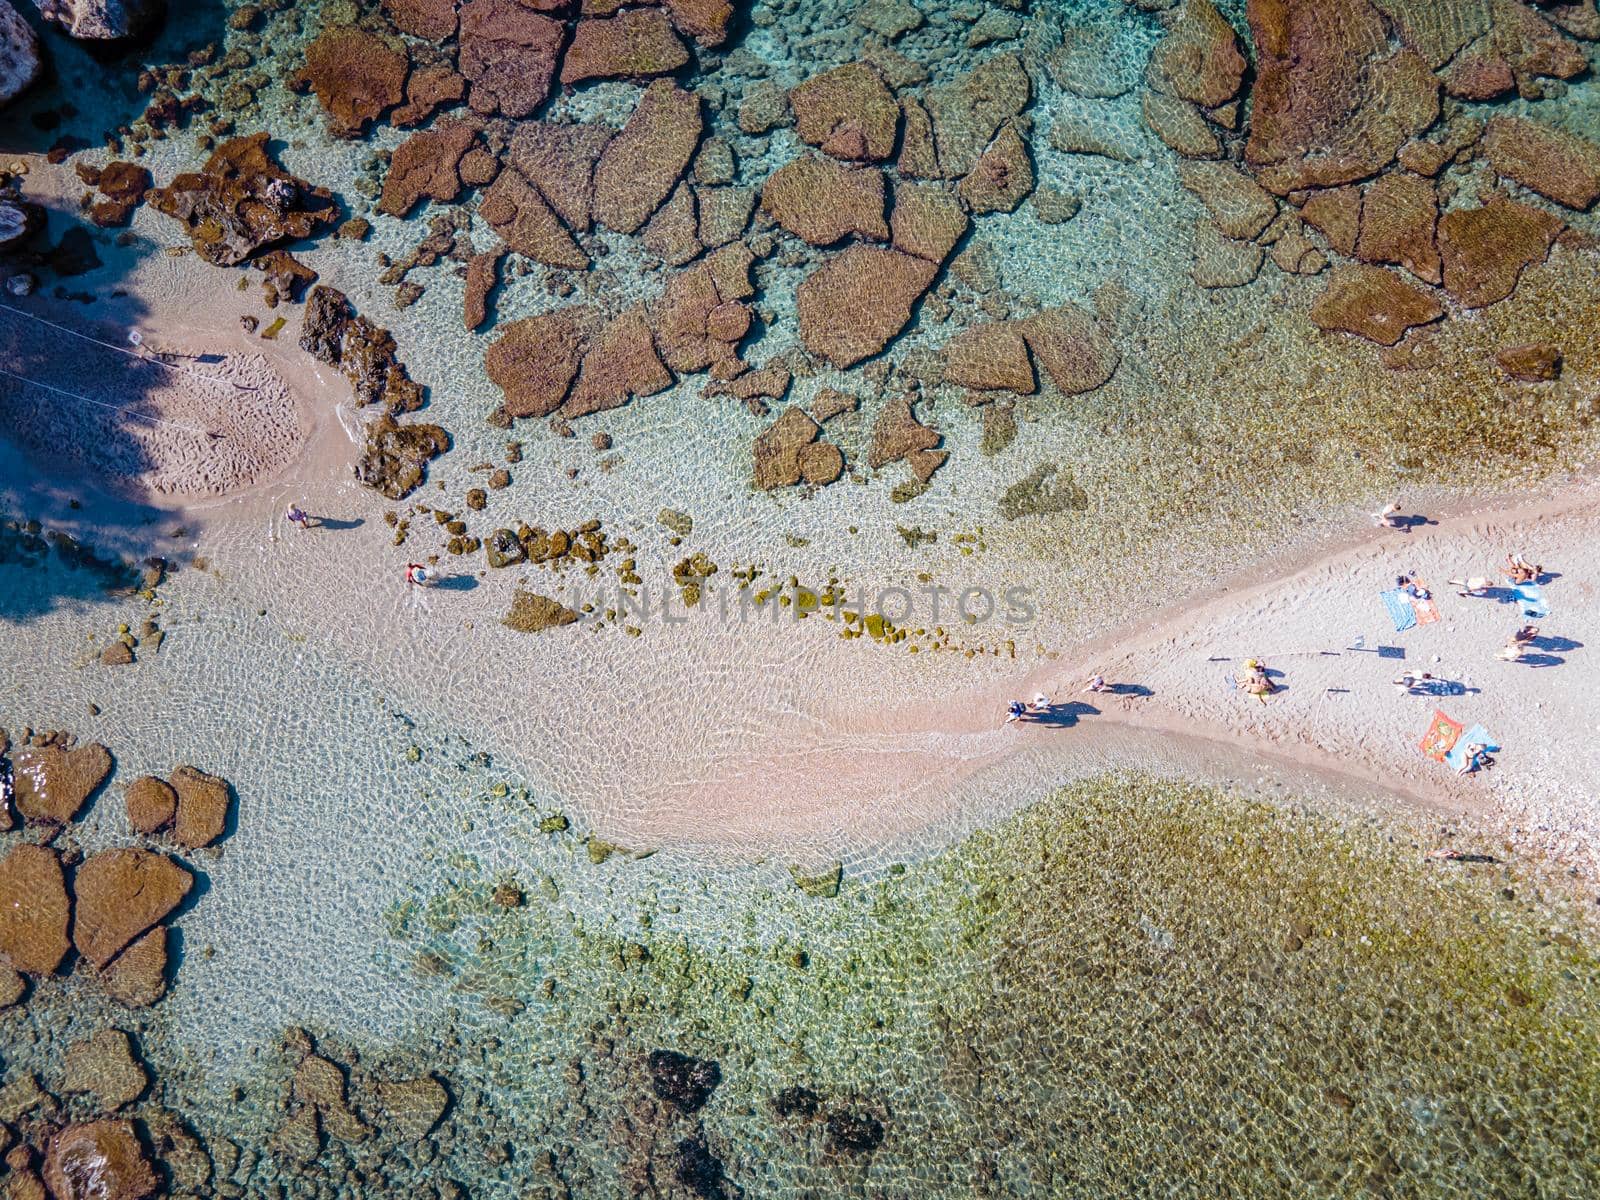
(1387, 517)
(418, 575)
(1015, 711)
(298, 517)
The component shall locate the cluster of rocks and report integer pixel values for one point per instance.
(112, 906)
(1343, 160)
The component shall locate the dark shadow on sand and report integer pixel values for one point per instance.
(1064, 716)
(457, 583)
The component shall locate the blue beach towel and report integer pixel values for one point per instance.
(1401, 611)
(1531, 599)
(1458, 753)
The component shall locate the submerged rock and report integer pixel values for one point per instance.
(854, 1132)
(19, 54)
(778, 448)
(120, 894)
(356, 75)
(850, 308)
(151, 804)
(34, 910)
(412, 1107)
(394, 461)
(620, 364)
(508, 54)
(1199, 59)
(1532, 362)
(103, 20)
(990, 357)
(535, 360)
(52, 783)
(559, 160)
(821, 201)
(365, 354)
(137, 977)
(99, 1160)
(927, 220)
(847, 112)
(899, 435)
(241, 201)
(1485, 250)
(203, 803)
(105, 1066)
(1373, 303)
(515, 211)
(1071, 347)
(633, 44)
(1558, 165)
(1398, 215)
(641, 165)
(1003, 175)
(698, 1169)
(426, 165)
(533, 613)
(682, 1080)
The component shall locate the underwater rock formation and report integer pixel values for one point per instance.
(1485, 250)
(151, 804)
(683, 1080)
(852, 306)
(53, 781)
(1374, 303)
(847, 112)
(899, 435)
(1560, 166)
(34, 910)
(635, 43)
(19, 54)
(203, 804)
(103, 20)
(241, 201)
(99, 1160)
(118, 895)
(356, 75)
(508, 55)
(821, 201)
(426, 166)
(640, 166)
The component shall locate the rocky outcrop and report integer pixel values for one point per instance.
(848, 113)
(641, 165)
(926, 220)
(1373, 303)
(120, 894)
(99, 1160)
(242, 201)
(394, 459)
(34, 910)
(356, 75)
(559, 160)
(1199, 59)
(1332, 101)
(535, 360)
(850, 308)
(963, 116)
(621, 363)
(821, 201)
(1002, 178)
(52, 782)
(1558, 165)
(1070, 346)
(1485, 250)
(508, 55)
(19, 54)
(365, 353)
(633, 44)
(103, 20)
(203, 804)
(515, 211)
(426, 165)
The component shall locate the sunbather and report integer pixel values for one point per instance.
(1409, 682)
(1097, 683)
(1387, 517)
(1472, 585)
(1514, 649)
(1475, 756)
(1519, 570)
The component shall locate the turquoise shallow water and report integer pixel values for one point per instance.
(1133, 986)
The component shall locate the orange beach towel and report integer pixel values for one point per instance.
(1441, 736)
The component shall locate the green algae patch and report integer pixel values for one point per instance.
(822, 884)
(1133, 979)
(1045, 491)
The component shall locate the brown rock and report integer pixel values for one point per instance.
(432, 20)
(412, 1107)
(33, 910)
(706, 21)
(117, 654)
(151, 804)
(1558, 165)
(1199, 58)
(1332, 102)
(822, 201)
(478, 167)
(927, 220)
(394, 459)
(122, 186)
(724, 213)
(850, 308)
(559, 160)
(428, 90)
(1532, 362)
(1238, 205)
(635, 43)
(13, 986)
(821, 463)
(1221, 262)
(99, 1160)
(1003, 176)
(120, 894)
(730, 271)
(673, 234)
(320, 1083)
(1518, 45)
(482, 272)
(532, 613)
(1398, 214)
(137, 977)
(104, 1065)
(728, 322)
(1071, 347)
(1374, 303)
(770, 383)
(52, 784)
(1336, 212)
(847, 112)
(919, 158)
(286, 276)
(1180, 125)
(508, 54)
(366, 354)
(203, 803)
(536, 359)
(520, 216)
(681, 317)
(621, 364)
(899, 435)
(355, 74)
(831, 403)
(1296, 253)
(1486, 249)
(990, 357)
(241, 201)
(967, 112)
(778, 447)
(425, 165)
(642, 164)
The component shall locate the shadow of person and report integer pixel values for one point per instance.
(1556, 645)
(456, 583)
(339, 523)
(1128, 689)
(1065, 715)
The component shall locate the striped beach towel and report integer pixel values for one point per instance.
(1401, 611)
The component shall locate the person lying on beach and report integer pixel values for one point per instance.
(1255, 681)
(1520, 640)
(1097, 683)
(1416, 588)
(1476, 755)
(1472, 585)
(1519, 570)
(1409, 681)
(1015, 711)
(1040, 705)
(1387, 517)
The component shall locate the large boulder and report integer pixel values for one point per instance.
(852, 307)
(120, 894)
(34, 910)
(535, 360)
(103, 20)
(19, 53)
(99, 1160)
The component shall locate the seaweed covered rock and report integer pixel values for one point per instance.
(394, 459)
(533, 613)
(52, 782)
(241, 201)
(365, 354)
(356, 75)
(121, 185)
(854, 1132)
(34, 910)
(683, 1080)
